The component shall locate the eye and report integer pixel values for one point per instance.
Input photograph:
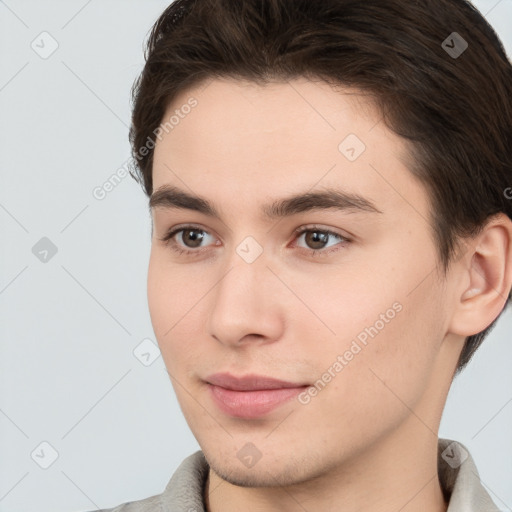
(186, 239)
(317, 240)
(191, 240)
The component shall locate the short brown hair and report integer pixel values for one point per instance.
(455, 111)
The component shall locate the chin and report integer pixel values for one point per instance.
(266, 473)
(252, 477)
(247, 479)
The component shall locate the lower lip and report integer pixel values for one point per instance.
(251, 404)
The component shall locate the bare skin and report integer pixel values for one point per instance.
(367, 440)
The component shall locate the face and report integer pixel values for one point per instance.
(333, 294)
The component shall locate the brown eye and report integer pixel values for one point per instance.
(316, 239)
(188, 240)
(320, 241)
(192, 237)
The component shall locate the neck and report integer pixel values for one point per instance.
(399, 473)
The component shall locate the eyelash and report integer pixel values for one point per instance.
(168, 239)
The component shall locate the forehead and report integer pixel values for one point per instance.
(249, 141)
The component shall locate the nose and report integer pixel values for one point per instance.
(245, 305)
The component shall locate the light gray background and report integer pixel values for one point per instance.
(68, 374)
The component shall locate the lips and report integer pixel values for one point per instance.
(249, 382)
(250, 396)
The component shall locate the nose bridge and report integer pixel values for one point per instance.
(241, 288)
(243, 302)
(248, 267)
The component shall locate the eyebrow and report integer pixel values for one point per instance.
(327, 199)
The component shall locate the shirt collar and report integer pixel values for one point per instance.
(460, 479)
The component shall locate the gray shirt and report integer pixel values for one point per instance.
(457, 473)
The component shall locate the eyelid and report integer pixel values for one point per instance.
(323, 229)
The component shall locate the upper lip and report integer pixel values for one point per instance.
(250, 382)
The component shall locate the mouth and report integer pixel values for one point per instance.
(250, 396)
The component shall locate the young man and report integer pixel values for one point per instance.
(330, 192)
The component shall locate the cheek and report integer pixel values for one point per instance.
(159, 298)
(393, 370)
(386, 338)
(170, 292)
(165, 294)
(175, 305)
(378, 385)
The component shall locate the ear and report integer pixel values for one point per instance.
(486, 278)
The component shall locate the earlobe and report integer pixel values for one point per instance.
(486, 270)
